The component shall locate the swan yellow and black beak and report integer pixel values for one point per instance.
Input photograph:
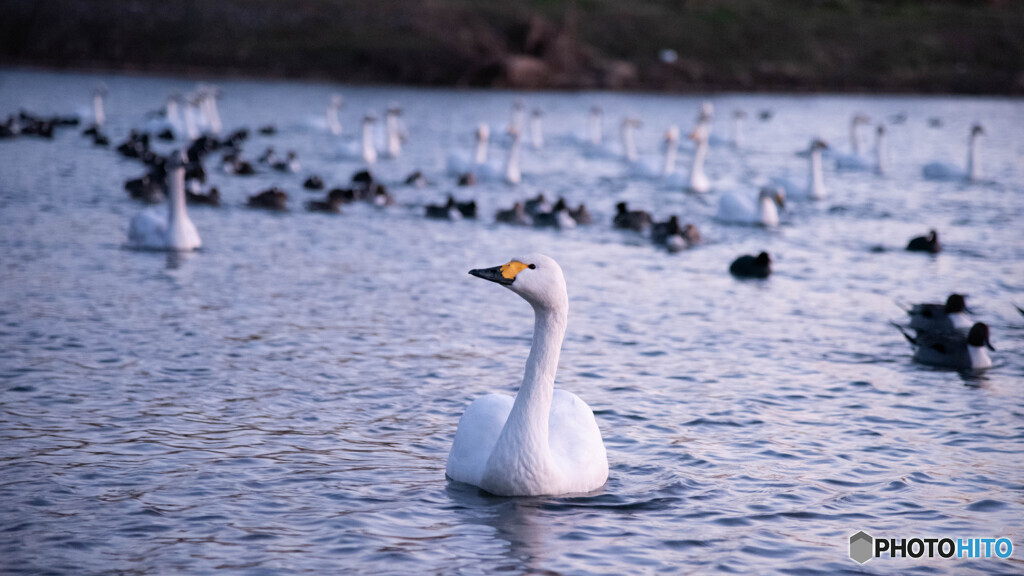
(504, 274)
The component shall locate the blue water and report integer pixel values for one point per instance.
(283, 401)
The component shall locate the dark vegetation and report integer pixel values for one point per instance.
(873, 45)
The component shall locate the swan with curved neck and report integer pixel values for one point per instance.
(512, 172)
(880, 163)
(544, 441)
(333, 106)
(857, 121)
(671, 151)
(536, 135)
(595, 125)
(369, 150)
(698, 180)
(98, 115)
(628, 143)
(943, 171)
(737, 209)
(173, 229)
(483, 136)
(394, 131)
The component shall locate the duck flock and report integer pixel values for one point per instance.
(191, 127)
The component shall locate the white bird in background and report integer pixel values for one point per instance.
(392, 123)
(815, 189)
(736, 209)
(369, 150)
(944, 171)
(536, 135)
(333, 122)
(99, 116)
(169, 229)
(544, 441)
(512, 173)
(698, 179)
(854, 161)
(626, 129)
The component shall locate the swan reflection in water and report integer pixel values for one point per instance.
(518, 521)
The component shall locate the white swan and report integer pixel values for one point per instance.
(208, 100)
(394, 131)
(512, 173)
(459, 164)
(369, 150)
(536, 134)
(735, 138)
(626, 135)
(595, 126)
(698, 180)
(545, 441)
(881, 166)
(331, 115)
(943, 171)
(98, 115)
(815, 189)
(853, 160)
(736, 209)
(171, 229)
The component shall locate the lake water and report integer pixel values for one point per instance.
(284, 400)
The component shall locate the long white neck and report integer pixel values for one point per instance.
(535, 133)
(97, 110)
(596, 131)
(880, 165)
(671, 150)
(369, 152)
(178, 222)
(481, 150)
(394, 138)
(973, 159)
(816, 180)
(737, 131)
(213, 114)
(697, 176)
(767, 214)
(979, 357)
(517, 119)
(190, 123)
(333, 124)
(628, 145)
(521, 461)
(512, 173)
(172, 114)
(854, 139)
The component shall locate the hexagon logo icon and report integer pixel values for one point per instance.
(861, 545)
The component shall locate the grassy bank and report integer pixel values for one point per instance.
(839, 45)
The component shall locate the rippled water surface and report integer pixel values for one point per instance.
(284, 400)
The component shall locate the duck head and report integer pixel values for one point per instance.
(978, 336)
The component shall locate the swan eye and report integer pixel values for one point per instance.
(532, 266)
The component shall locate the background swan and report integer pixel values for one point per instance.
(698, 179)
(737, 209)
(460, 164)
(944, 171)
(545, 441)
(171, 229)
(853, 160)
(815, 189)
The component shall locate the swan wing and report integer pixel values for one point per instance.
(476, 436)
(148, 229)
(576, 444)
(942, 171)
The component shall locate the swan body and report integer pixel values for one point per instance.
(944, 171)
(737, 209)
(170, 230)
(544, 441)
(815, 189)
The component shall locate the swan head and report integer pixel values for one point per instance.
(739, 114)
(176, 159)
(370, 118)
(776, 194)
(337, 101)
(483, 132)
(394, 110)
(818, 144)
(860, 119)
(631, 122)
(537, 113)
(978, 336)
(880, 130)
(672, 134)
(977, 130)
(535, 277)
(700, 134)
(596, 110)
